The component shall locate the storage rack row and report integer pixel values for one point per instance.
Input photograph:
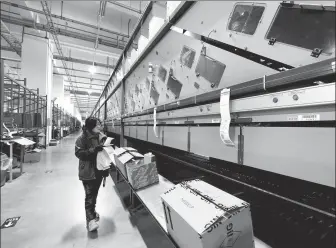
(23, 114)
(63, 123)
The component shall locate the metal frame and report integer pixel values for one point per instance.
(58, 31)
(11, 39)
(64, 18)
(53, 31)
(184, 7)
(320, 95)
(81, 61)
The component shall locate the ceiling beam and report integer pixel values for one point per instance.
(96, 79)
(86, 102)
(65, 19)
(73, 96)
(81, 61)
(77, 82)
(83, 88)
(59, 31)
(11, 59)
(10, 38)
(98, 52)
(85, 93)
(60, 67)
(126, 9)
(7, 48)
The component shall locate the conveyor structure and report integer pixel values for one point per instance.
(164, 97)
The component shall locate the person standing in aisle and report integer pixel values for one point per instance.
(87, 146)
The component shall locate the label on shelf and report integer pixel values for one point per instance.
(305, 117)
(215, 120)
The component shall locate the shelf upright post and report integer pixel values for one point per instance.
(2, 94)
(18, 97)
(38, 100)
(24, 107)
(35, 101)
(30, 101)
(57, 115)
(11, 96)
(122, 141)
(45, 109)
(24, 111)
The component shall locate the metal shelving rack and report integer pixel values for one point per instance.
(62, 120)
(23, 109)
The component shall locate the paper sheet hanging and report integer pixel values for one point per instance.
(108, 141)
(225, 117)
(154, 126)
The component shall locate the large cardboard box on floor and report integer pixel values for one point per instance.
(142, 173)
(124, 156)
(33, 156)
(199, 215)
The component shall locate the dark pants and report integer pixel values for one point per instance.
(91, 188)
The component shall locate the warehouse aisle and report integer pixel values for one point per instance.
(50, 200)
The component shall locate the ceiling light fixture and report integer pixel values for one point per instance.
(92, 69)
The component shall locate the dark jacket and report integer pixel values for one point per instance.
(85, 151)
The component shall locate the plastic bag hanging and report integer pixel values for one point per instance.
(225, 117)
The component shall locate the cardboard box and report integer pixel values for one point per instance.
(33, 156)
(199, 215)
(142, 174)
(123, 157)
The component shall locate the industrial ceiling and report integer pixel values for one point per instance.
(83, 33)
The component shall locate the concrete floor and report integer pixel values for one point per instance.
(50, 200)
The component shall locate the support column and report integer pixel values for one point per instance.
(67, 101)
(37, 68)
(58, 89)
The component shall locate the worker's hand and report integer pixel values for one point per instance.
(98, 148)
(106, 173)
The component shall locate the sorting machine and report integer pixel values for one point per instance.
(278, 60)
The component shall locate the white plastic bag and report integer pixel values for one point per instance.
(105, 158)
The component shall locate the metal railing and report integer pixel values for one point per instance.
(19, 102)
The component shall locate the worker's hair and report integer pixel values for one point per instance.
(90, 123)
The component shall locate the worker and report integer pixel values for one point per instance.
(86, 149)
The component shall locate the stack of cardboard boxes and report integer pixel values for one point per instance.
(139, 170)
(199, 215)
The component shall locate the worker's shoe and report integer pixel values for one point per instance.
(97, 216)
(92, 226)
